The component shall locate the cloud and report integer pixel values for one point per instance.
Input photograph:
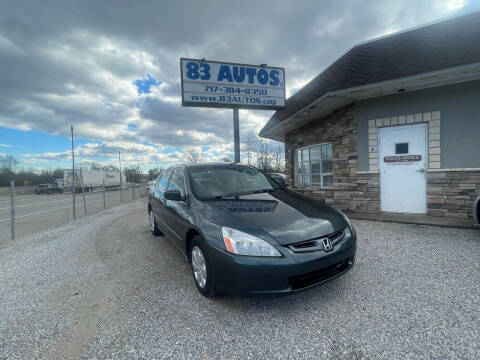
(5, 145)
(450, 5)
(132, 154)
(112, 70)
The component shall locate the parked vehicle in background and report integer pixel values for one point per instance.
(92, 180)
(244, 234)
(48, 189)
(149, 185)
(278, 177)
(476, 211)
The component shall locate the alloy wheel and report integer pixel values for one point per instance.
(152, 221)
(199, 267)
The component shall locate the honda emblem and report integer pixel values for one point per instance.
(327, 245)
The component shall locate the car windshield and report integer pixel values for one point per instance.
(227, 181)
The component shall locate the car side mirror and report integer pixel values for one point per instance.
(281, 183)
(174, 195)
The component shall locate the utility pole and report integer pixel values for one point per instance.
(121, 181)
(73, 171)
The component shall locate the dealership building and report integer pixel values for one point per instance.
(391, 130)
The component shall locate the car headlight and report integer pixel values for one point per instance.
(240, 243)
(347, 232)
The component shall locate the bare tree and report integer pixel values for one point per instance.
(8, 164)
(265, 154)
(278, 154)
(154, 173)
(110, 168)
(132, 174)
(191, 156)
(251, 148)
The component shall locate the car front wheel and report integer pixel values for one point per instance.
(202, 269)
(153, 224)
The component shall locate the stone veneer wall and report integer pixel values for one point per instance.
(450, 193)
(350, 191)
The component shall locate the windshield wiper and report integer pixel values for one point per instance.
(227, 196)
(217, 197)
(263, 191)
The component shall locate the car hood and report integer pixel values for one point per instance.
(287, 216)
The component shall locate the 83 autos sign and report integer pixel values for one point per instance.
(219, 84)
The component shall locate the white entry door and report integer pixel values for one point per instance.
(402, 160)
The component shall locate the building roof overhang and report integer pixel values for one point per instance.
(331, 101)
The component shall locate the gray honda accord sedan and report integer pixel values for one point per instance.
(245, 234)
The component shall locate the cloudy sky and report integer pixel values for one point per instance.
(111, 68)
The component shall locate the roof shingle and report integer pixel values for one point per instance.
(442, 45)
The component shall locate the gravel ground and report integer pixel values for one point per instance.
(103, 287)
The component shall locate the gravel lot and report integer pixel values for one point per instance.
(103, 287)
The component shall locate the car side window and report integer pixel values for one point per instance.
(162, 181)
(177, 181)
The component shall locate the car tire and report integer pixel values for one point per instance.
(153, 224)
(202, 269)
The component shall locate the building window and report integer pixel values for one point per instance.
(314, 166)
(401, 148)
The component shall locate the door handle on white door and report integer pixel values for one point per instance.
(422, 170)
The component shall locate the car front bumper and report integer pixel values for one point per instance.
(249, 275)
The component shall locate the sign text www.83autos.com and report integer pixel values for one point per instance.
(219, 84)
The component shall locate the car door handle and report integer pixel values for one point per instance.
(422, 170)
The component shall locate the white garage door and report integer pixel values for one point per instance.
(402, 165)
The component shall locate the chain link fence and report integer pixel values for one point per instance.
(23, 212)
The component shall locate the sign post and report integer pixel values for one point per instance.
(231, 85)
(236, 135)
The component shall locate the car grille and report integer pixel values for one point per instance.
(316, 244)
(305, 280)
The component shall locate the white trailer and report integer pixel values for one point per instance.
(92, 180)
(112, 179)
